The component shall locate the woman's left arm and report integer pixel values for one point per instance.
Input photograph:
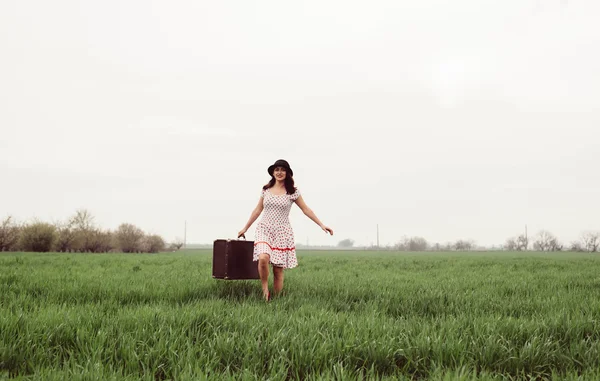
(310, 214)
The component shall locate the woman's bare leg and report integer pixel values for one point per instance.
(263, 272)
(278, 279)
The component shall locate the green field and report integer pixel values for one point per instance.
(343, 316)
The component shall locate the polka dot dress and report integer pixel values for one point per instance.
(274, 234)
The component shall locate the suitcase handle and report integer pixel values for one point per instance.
(231, 239)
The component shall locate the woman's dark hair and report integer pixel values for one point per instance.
(288, 182)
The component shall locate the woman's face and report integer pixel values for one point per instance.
(279, 173)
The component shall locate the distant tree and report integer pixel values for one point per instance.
(346, 243)
(519, 243)
(464, 245)
(153, 244)
(84, 231)
(82, 220)
(556, 246)
(591, 241)
(176, 244)
(511, 244)
(418, 244)
(576, 247)
(65, 237)
(100, 241)
(38, 237)
(546, 241)
(9, 234)
(522, 243)
(129, 238)
(412, 244)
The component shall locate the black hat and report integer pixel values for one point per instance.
(280, 163)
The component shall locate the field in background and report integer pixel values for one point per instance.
(343, 315)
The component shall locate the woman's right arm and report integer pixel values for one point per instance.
(253, 216)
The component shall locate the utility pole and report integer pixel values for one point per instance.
(185, 235)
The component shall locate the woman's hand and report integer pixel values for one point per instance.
(327, 230)
(242, 233)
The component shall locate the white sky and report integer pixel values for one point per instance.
(444, 119)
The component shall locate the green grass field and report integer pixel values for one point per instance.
(343, 316)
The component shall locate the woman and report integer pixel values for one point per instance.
(274, 238)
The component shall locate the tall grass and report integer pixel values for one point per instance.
(343, 315)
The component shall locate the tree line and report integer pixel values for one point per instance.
(417, 243)
(544, 240)
(79, 234)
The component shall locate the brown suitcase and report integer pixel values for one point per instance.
(232, 259)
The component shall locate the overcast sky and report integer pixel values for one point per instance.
(444, 119)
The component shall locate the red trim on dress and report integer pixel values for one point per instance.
(275, 248)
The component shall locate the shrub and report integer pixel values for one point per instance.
(9, 234)
(129, 238)
(65, 238)
(38, 237)
(84, 231)
(153, 244)
(100, 241)
(412, 244)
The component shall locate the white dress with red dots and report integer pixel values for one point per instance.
(274, 234)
